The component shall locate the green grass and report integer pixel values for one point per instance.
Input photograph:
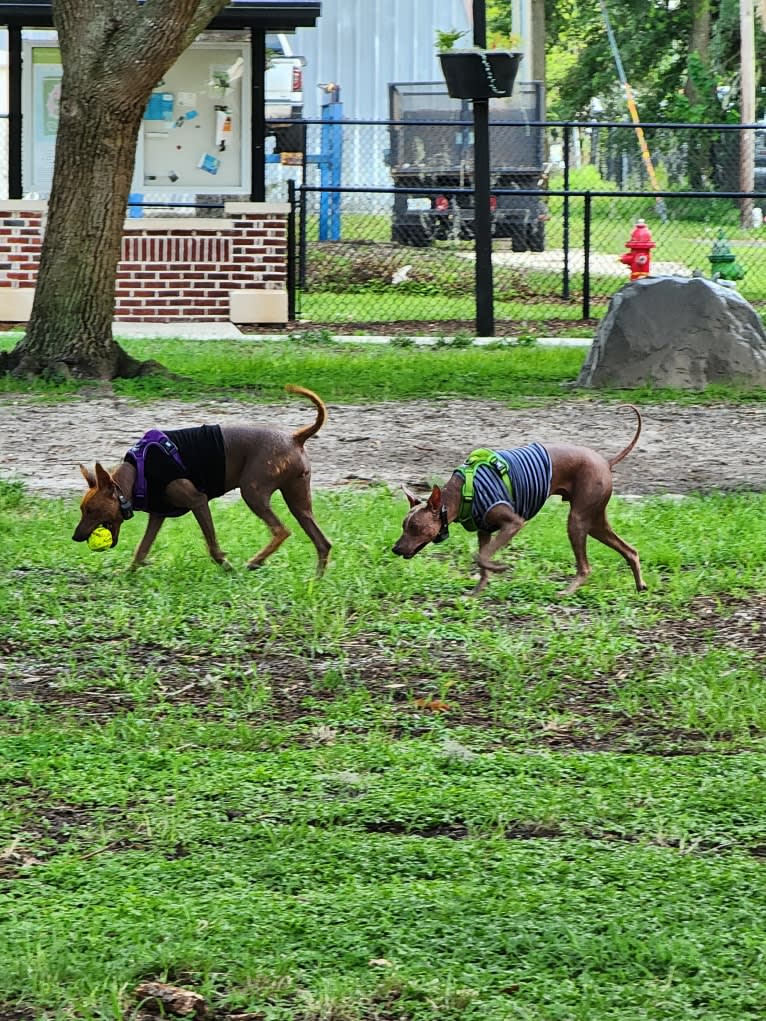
(246, 783)
(512, 317)
(258, 371)
(370, 797)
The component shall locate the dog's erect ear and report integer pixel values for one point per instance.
(413, 500)
(435, 499)
(103, 478)
(89, 477)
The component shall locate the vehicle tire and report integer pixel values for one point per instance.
(414, 235)
(536, 237)
(518, 235)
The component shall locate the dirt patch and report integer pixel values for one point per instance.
(427, 328)
(582, 715)
(682, 448)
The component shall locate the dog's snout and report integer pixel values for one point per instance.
(395, 550)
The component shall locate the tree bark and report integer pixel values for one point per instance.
(113, 53)
(699, 43)
(699, 147)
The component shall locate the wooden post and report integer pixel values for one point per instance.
(747, 109)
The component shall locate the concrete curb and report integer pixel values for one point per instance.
(227, 331)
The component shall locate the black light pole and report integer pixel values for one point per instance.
(485, 321)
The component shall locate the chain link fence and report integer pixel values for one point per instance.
(384, 215)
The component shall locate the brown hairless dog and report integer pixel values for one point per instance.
(495, 492)
(168, 474)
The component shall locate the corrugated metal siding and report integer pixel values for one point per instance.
(362, 45)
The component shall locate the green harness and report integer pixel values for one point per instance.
(477, 458)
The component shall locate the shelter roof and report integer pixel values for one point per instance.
(269, 15)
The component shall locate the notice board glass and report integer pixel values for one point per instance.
(191, 135)
(192, 127)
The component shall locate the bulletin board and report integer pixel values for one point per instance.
(40, 104)
(191, 136)
(192, 129)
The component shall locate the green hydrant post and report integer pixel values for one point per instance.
(723, 262)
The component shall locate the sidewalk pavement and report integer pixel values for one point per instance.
(228, 331)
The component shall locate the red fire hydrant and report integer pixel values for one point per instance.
(639, 258)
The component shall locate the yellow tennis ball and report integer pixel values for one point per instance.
(100, 539)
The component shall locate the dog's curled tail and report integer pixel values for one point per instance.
(301, 435)
(624, 453)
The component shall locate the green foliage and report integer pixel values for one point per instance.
(653, 41)
(445, 40)
(357, 269)
(321, 337)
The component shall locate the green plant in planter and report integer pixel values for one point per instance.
(475, 72)
(446, 40)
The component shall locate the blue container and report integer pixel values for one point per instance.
(135, 211)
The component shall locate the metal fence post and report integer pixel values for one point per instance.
(302, 246)
(485, 302)
(586, 257)
(567, 144)
(291, 249)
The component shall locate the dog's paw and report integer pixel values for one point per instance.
(490, 565)
(226, 564)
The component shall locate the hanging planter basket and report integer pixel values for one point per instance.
(479, 74)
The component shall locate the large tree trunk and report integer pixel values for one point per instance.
(70, 330)
(699, 146)
(699, 43)
(113, 53)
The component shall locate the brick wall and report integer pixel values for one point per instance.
(190, 269)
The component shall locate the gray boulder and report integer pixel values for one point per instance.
(677, 332)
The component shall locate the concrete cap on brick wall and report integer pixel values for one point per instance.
(252, 306)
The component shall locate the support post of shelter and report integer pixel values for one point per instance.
(258, 116)
(15, 123)
(330, 165)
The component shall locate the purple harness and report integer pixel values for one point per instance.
(137, 454)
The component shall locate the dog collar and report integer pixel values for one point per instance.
(126, 507)
(444, 530)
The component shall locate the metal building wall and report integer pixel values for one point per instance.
(362, 45)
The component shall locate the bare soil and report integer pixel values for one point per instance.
(682, 448)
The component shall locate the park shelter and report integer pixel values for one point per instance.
(257, 16)
(233, 267)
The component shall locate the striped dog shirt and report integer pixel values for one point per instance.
(520, 478)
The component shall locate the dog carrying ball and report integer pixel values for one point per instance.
(100, 539)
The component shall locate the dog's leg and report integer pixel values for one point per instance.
(604, 532)
(153, 525)
(506, 524)
(297, 496)
(201, 512)
(259, 505)
(484, 540)
(183, 493)
(578, 527)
